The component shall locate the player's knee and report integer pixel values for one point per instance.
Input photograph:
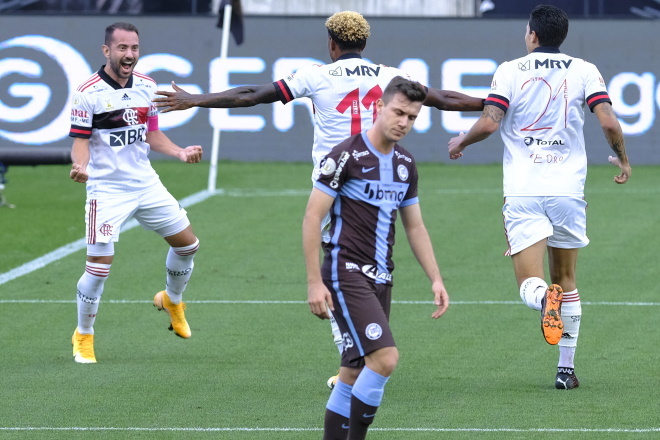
(531, 292)
(384, 361)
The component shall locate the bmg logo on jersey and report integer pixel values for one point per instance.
(126, 137)
(379, 193)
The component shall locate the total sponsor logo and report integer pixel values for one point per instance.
(378, 192)
(352, 266)
(372, 272)
(529, 141)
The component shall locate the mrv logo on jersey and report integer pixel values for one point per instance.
(126, 137)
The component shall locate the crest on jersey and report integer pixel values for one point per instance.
(130, 116)
(402, 171)
(328, 166)
(524, 66)
(335, 72)
(373, 331)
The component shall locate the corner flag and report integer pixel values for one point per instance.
(236, 26)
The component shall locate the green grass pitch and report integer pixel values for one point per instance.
(258, 360)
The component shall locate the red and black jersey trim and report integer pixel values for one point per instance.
(115, 118)
(78, 131)
(498, 101)
(283, 91)
(597, 98)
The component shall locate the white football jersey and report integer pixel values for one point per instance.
(344, 95)
(543, 95)
(115, 119)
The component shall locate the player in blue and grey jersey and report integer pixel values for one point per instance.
(363, 182)
(343, 94)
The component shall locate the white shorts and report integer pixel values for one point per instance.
(155, 209)
(528, 220)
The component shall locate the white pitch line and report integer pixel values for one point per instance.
(77, 245)
(229, 301)
(246, 429)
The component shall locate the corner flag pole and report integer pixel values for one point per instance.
(213, 170)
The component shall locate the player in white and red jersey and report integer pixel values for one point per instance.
(343, 93)
(537, 102)
(114, 125)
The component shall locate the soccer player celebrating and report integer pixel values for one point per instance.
(114, 125)
(537, 102)
(344, 102)
(362, 183)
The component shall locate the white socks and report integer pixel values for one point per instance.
(571, 314)
(90, 289)
(532, 291)
(179, 266)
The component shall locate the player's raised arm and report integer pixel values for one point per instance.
(244, 96)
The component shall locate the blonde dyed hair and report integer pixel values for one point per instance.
(348, 27)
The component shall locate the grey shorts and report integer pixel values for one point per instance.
(362, 311)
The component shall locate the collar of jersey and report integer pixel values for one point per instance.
(114, 84)
(547, 49)
(349, 55)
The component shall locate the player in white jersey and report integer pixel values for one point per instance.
(343, 93)
(114, 125)
(537, 102)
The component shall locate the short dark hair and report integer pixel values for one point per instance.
(110, 30)
(412, 90)
(550, 25)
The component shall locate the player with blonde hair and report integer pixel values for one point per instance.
(344, 94)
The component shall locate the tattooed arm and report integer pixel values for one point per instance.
(487, 124)
(614, 136)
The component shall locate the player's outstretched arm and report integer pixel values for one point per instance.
(614, 135)
(244, 96)
(420, 243)
(318, 296)
(452, 101)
